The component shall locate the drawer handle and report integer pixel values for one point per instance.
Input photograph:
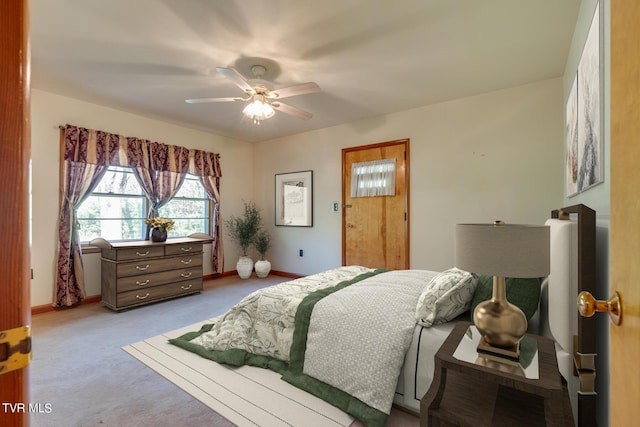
(187, 261)
(143, 297)
(185, 275)
(186, 249)
(146, 282)
(142, 254)
(142, 268)
(185, 288)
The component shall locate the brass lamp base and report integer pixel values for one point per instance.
(501, 324)
(512, 352)
(501, 363)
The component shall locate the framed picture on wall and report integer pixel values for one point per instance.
(294, 199)
(571, 135)
(584, 116)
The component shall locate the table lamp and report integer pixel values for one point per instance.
(502, 250)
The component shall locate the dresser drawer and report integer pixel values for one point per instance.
(154, 279)
(182, 248)
(170, 290)
(134, 253)
(141, 267)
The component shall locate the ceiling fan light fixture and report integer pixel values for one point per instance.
(258, 109)
(261, 94)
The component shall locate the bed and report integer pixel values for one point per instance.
(364, 339)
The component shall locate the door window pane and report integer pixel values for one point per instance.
(375, 178)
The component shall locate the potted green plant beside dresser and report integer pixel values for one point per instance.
(243, 230)
(262, 244)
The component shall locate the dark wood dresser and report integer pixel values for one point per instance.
(141, 272)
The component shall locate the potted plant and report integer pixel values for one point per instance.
(243, 231)
(159, 227)
(262, 244)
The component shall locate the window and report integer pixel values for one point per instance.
(375, 178)
(189, 208)
(117, 208)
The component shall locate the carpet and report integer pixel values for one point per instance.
(246, 395)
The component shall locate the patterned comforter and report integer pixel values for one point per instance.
(263, 322)
(341, 335)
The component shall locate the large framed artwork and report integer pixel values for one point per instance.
(584, 114)
(294, 199)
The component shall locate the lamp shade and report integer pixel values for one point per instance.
(506, 250)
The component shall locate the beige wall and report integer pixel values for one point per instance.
(47, 112)
(496, 155)
(492, 156)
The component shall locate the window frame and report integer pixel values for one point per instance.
(210, 203)
(145, 201)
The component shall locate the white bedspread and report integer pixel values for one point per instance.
(358, 337)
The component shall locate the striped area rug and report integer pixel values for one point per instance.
(246, 396)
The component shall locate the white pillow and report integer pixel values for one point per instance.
(445, 297)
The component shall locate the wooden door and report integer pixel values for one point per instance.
(625, 211)
(14, 198)
(375, 230)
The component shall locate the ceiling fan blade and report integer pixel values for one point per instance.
(237, 78)
(205, 100)
(295, 90)
(294, 111)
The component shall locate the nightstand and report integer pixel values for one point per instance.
(469, 389)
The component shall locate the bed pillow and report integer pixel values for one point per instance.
(524, 293)
(445, 297)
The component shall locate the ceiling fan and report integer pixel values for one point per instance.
(261, 95)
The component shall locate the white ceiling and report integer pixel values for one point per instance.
(370, 57)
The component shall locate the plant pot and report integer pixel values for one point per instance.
(244, 266)
(158, 235)
(263, 267)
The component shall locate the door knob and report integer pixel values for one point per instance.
(588, 306)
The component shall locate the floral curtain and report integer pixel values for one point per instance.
(87, 154)
(160, 169)
(207, 167)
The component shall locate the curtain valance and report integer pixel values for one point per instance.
(104, 148)
(203, 163)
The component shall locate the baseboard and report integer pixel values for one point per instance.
(46, 308)
(285, 274)
(219, 275)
